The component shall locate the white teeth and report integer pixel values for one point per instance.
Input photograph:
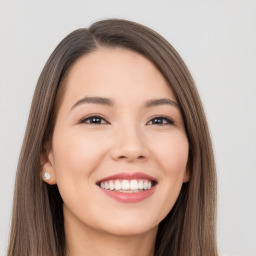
(126, 186)
(129, 191)
(106, 185)
(145, 185)
(118, 185)
(140, 184)
(134, 185)
(111, 185)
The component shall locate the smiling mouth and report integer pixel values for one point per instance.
(127, 186)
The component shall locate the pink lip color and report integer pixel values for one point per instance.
(129, 197)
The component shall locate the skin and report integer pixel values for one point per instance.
(127, 139)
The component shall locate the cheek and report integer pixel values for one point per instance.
(171, 152)
(75, 155)
(172, 157)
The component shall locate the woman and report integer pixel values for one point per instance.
(117, 157)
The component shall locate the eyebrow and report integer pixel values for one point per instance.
(164, 101)
(94, 100)
(109, 102)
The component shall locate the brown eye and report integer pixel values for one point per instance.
(96, 120)
(160, 120)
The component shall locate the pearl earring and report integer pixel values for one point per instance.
(46, 176)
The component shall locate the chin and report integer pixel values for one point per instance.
(128, 227)
(130, 231)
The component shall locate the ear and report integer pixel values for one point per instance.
(187, 173)
(47, 165)
(186, 176)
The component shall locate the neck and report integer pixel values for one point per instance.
(82, 240)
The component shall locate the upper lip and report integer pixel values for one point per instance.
(128, 176)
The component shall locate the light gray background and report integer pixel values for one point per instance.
(217, 40)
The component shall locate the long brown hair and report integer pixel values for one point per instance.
(37, 221)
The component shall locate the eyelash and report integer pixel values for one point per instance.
(97, 118)
(167, 120)
(88, 118)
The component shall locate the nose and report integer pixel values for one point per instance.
(129, 144)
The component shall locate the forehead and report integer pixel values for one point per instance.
(116, 72)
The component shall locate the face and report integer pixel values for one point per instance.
(119, 149)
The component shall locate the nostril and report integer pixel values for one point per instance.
(129, 152)
(124, 157)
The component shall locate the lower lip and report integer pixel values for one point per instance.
(129, 197)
